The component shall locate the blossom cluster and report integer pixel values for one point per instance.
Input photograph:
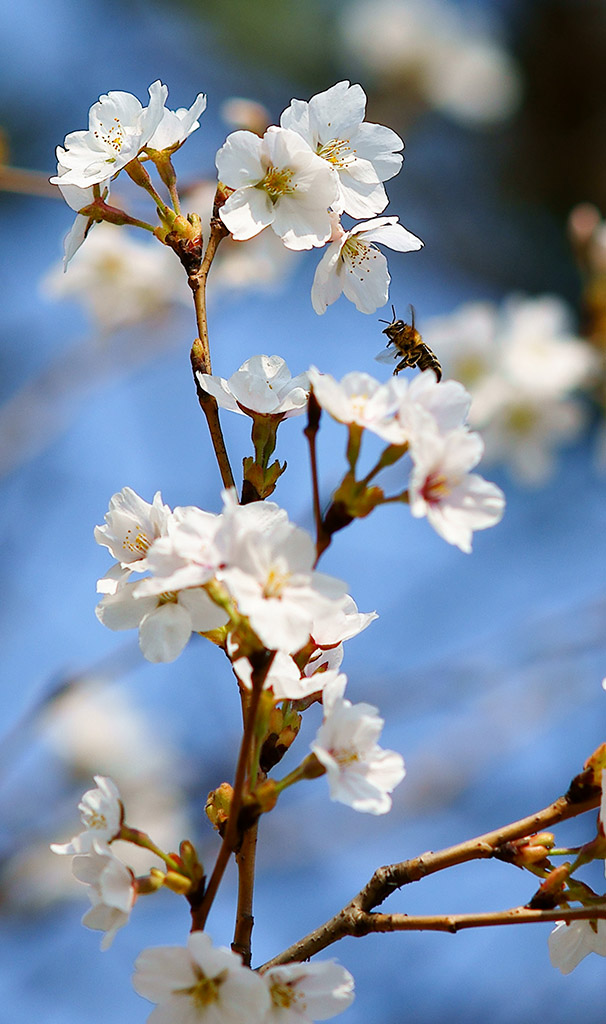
(119, 129)
(322, 162)
(257, 564)
(522, 365)
(199, 981)
(430, 418)
(443, 53)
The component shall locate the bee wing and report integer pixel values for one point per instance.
(387, 355)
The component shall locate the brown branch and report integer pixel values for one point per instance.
(261, 663)
(245, 859)
(356, 914)
(30, 183)
(200, 353)
(457, 922)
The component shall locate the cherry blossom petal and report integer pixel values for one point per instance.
(164, 632)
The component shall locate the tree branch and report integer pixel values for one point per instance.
(355, 917)
(458, 922)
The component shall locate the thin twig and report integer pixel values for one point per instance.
(200, 353)
(29, 183)
(314, 412)
(458, 922)
(356, 914)
(230, 836)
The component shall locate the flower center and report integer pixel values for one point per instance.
(358, 405)
(205, 991)
(113, 137)
(136, 540)
(345, 756)
(95, 819)
(283, 995)
(278, 182)
(168, 597)
(435, 488)
(358, 254)
(276, 580)
(337, 152)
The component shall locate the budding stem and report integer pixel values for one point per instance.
(261, 665)
(200, 353)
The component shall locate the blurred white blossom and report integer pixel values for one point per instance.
(438, 51)
(522, 366)
(121, 281)
(92, 726)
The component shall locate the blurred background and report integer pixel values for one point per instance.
(486, 667)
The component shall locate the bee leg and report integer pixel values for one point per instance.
(401, 365)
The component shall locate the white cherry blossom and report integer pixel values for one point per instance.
(343, 623)
(118, 128)
(278, 181)
(186, 556)
(446, 401)
(101, 813)
(362, 154)
(200, 984)
(284, 678)
(261, 262)
(360, 773)
(352, 264)
(111, 891)
(570, 942)
(78, 199)
(165, 621)
(358, 398)
(263, 385)
(455, 501)
(270, 575)
(131, 527)
(176, 125)
(305, 992)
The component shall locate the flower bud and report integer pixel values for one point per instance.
(191, 863)
(218, 806)
(589, 782)
(527, 851)
(548, 895)
(177, 883)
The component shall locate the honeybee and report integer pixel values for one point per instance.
(408, 346)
